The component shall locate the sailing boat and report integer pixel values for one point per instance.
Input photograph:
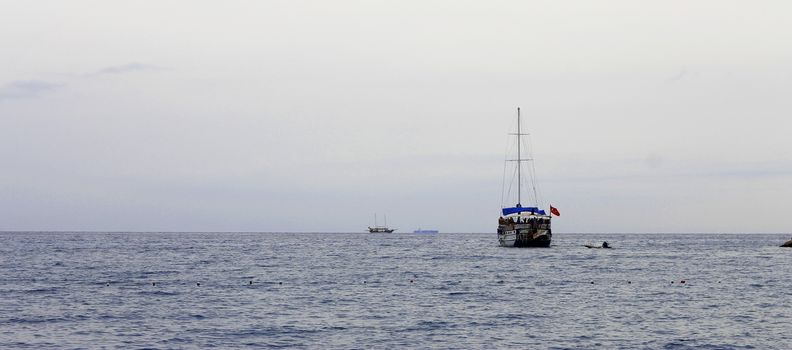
(380, 229)
(521, 226)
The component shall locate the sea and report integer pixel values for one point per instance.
(108, 290)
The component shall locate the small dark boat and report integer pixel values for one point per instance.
(787, 244)
(604, 245)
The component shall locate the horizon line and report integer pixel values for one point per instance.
(364, 232)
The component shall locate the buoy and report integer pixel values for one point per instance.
(629, 282)
(198, 284)
(153, 283)
(107, 285)
(411, 281)
(280, 283)
(592, 282)
(682, 281)
(364, 282)
(251, 282)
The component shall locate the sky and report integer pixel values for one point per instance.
(174, 115)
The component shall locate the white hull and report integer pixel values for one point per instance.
(507, 238)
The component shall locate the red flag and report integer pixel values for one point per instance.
(554, 211)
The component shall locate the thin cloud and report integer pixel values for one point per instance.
(682, 74)
(22, 89)
(758, 173)
(679, 76)
(128, 68)
(27, 89)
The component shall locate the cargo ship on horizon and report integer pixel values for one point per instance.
(425, 231)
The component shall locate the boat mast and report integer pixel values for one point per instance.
(519, 159)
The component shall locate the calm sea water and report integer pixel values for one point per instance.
(364, 291)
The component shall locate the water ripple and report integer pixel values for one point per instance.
(361, 291)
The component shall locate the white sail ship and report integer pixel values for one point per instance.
(523, 226)
(380, 229)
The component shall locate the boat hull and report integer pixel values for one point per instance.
(381, 230)
(523, 236)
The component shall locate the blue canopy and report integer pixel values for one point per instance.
(534, 210)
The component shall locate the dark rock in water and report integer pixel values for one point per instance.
(787, 244)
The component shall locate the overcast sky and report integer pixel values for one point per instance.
(663, 116)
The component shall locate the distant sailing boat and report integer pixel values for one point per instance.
(380, 229)
(523, 226)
